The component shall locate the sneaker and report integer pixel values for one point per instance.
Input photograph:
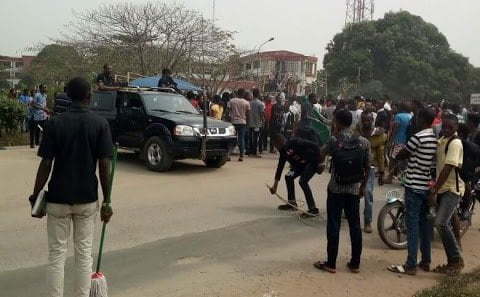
(353, 269)
(240, 159)
(287, 207)
(367, 228)
(310, 213)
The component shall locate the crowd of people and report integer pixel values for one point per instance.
(36, 111)
(435, 147)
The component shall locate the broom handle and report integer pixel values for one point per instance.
(107, 201)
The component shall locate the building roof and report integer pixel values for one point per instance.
(281, 56)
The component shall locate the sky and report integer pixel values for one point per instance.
(304, 26)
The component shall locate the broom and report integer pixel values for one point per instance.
(99, 282)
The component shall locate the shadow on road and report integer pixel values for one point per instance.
(132, 163)
(168, 257)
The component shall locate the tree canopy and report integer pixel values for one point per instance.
(56, 64)
(142, 39)
(401, 55)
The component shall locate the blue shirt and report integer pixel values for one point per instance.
(403, 121)
(25, 99)
(39, 102)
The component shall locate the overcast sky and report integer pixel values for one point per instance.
(303, 26)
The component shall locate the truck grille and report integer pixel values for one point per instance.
(212, 131)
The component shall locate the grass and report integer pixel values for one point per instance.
(465, 285)
(14, 139)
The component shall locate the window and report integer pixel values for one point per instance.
(103, 101)
(256, 64)
(133, 101)
(309, 68)
(248, 66)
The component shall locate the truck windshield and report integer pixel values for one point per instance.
(168, 103)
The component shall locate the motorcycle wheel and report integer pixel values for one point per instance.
(391, 226)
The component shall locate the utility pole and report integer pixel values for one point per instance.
(259, 58)
(326, 83)
(213, 12)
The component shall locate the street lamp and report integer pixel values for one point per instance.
(258, 57)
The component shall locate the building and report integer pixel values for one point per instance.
(281, 70)
(12, 67)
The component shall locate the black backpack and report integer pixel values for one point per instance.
(349, 161)
(459, 172)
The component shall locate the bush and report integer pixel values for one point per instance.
(12, 114)
(464, 285)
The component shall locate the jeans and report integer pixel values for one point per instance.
(255, 141)
(448, 202)
(35, 131)
(59, 220)
(350, 204)
(264, 137)
(368, 193)
(240, 128)
(306, 173)
(418, 226)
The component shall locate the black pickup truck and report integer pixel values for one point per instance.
(160, 126)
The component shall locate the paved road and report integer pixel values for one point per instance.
(192, 231)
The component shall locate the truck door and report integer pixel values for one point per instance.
(132, 120)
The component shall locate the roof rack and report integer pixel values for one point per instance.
(138, 89)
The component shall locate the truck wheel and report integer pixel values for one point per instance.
(216, 162)
(156, 156)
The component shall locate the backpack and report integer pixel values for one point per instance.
(349, 161)
(457, 170)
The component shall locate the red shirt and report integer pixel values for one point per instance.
(268, 111)
(195, 103)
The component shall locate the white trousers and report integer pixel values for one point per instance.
(59, 220)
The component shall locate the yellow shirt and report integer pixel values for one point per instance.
(217, 111)
(453, 157)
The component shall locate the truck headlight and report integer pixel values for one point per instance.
(231, 131)
(182, 130)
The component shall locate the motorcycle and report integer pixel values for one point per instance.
(391, 222)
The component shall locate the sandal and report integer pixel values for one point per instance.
(402, 269)
(441, 268)
(352, 268)
(323, 266)
(450, 269)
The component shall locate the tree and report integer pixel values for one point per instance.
(401, 55)
(144, 38)
(56, 64)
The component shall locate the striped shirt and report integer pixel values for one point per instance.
(423, 148)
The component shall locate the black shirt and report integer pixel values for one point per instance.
(383, 119)
(307, 152)
(107, 80)
(167, 82)
(75, 140)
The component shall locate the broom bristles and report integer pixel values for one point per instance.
(99, 285)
